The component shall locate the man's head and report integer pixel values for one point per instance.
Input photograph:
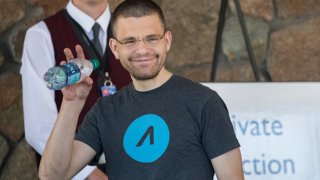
(140, 39)
(136, 8)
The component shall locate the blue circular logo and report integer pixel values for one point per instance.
(147, 138)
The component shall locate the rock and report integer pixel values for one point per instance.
(49, 7)
(18, 37)
(193, 24)
(21, 164)
(1, 58)
(4, 149)
(294, 52)
(199, 73)
(236, 65)
(10, 89)
(255, 8)
(11, 121)
(233, 41)
(13, 12)
(291, 9)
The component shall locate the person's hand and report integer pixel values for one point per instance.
(78, 91)
(97, 174)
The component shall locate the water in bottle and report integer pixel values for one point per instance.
(70, 73)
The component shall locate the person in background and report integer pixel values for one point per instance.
(84, 22)
(162, 126)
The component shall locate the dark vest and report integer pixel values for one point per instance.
(63, 36)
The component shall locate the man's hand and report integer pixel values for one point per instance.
(80, 90)
(97, 174)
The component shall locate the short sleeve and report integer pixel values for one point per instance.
(88, 133)
(218, 135)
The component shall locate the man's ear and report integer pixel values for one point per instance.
(168, 38)
(113, 47)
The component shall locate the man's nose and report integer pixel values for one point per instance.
(141, 46)
(142, 42)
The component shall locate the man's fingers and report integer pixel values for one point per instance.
(68, 53)
(62, 62)
(79, 51)
(88, 81)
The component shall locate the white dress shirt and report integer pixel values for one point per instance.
(40, 111)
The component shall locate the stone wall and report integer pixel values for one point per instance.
(283, 33)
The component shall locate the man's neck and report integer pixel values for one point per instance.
(94, 10)
(147, 85)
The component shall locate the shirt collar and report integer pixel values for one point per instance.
(87, 22)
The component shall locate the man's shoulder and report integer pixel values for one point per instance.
(39, 28)
(41, 24)
(189, 85)
(58, 14)
(191, 91)
(60, 17)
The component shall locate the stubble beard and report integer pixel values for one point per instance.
(139, 74)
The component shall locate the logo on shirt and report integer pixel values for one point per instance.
(147, 138)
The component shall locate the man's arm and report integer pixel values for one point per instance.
(63, 156)
(40, 110)
(228, 166)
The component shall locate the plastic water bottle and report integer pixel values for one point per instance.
(70, 73)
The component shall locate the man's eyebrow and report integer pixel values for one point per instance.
(133, 38)
(129, 38)
(152, 35)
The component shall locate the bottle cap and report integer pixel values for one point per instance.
(95, 63)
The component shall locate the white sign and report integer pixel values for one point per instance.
(278, 127)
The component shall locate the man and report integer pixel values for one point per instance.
(43, 48)
(161, 126)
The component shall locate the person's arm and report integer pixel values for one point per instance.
(63, 156)
(40, 111)
(39, 106)
(228, 166)
(219, 140)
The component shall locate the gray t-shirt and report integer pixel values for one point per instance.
(171, 132)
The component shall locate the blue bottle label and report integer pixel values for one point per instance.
(73, 73)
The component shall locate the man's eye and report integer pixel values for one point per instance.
(152, 39)
(129, 42)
